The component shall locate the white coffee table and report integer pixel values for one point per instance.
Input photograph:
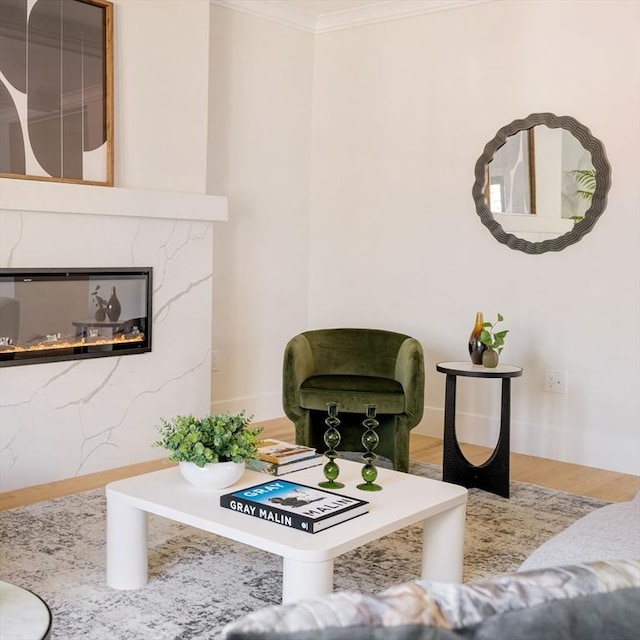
(307, 558)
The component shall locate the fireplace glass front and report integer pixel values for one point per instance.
(67, 314)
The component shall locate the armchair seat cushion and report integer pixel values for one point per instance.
(352, 392)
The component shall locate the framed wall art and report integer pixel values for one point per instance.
(56, 90)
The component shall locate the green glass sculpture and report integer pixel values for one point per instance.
(332, 440)
(370, 441)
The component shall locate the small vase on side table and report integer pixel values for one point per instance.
(476, 348)
(490, 358)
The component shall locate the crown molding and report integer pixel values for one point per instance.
(279, 11)
(273, 11)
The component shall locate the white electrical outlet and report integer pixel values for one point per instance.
(555, 381)
(215, 360)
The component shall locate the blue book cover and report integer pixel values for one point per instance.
(295, 505)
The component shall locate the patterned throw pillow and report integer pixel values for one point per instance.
(438, 611)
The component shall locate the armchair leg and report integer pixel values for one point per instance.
(401, 450)
(303, 430)
(401, 462)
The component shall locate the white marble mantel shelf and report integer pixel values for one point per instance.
(60, 197)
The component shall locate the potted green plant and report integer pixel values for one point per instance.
(493, 340)
(210, 450)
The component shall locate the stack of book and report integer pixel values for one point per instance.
(295, 505)
(277, 458)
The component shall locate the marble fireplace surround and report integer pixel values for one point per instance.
(64, 419)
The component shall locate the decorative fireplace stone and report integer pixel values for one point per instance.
(65, 419)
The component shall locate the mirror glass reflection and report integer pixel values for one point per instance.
(541, 172)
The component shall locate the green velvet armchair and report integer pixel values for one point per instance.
(355, 367)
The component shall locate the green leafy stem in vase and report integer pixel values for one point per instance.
(491, 338)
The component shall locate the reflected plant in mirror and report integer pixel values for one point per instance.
(541, 183)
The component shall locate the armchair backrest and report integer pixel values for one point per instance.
(367, 352)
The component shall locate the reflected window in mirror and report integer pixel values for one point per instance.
(511, 176)
(541, 183)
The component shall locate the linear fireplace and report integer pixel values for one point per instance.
(48, 315)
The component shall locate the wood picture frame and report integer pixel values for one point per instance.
(56, 91)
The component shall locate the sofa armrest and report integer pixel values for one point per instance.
(608, 533)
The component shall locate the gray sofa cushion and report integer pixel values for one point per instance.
(428, 610)
(404, 632)
(608, 533)
(604, 616)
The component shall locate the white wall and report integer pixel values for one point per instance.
(59, 420)
(401, 112)
(161, 77)
(260, 130)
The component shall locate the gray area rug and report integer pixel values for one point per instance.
(199, 582)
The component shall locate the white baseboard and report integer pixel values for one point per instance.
(599, 450)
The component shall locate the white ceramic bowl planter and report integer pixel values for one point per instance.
(214, 475)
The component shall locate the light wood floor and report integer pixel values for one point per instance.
(562, 476)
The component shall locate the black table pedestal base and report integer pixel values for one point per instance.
(492, 475)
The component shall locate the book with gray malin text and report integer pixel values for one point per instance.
(295, 505)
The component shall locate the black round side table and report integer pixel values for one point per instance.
(492, 475)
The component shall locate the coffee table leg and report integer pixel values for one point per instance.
(443, 545)
(305, 579)
(126, 545)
